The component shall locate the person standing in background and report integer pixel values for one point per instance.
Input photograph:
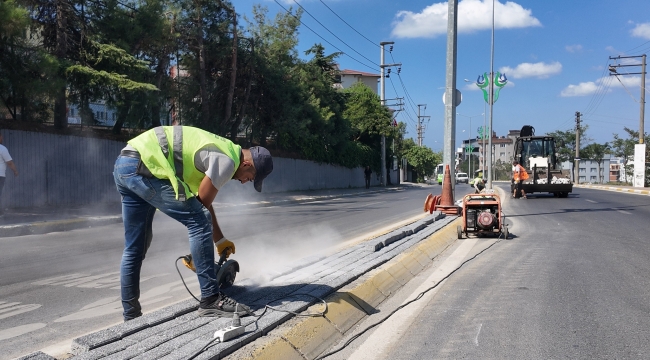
(367, 172)
(5, 161)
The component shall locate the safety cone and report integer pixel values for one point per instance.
(447, 198)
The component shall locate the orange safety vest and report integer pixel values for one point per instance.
(521, 174)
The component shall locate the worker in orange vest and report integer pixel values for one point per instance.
(519, 174)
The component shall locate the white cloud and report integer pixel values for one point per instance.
(473, 15)
(573, 48)
(539, 70)
(582, 89)
(642, 30)
(631, 83)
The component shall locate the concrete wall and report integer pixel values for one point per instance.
(69, 170)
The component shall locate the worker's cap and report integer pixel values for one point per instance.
(263, 165)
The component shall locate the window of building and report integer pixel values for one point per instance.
(502, 145)
(593, 170)
(582, 170)
(502, 154)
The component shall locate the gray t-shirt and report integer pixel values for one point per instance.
(4, 159)
(213, 163)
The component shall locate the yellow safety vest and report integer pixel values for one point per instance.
(169, 151)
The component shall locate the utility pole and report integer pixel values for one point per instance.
(421, 127)
(639, 149)
(489, 184)
(452, 95)
(382, 98)
(576, 161)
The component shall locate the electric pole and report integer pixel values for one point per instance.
(382, 98)
(639, 149)
(421, 126)
(576, 169)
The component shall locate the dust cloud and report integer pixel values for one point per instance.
(261, 260)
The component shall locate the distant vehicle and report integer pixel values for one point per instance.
(538, 155)
(462, 178)
(440, 172)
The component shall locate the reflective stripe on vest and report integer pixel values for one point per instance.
(177, 163)
(177, 149)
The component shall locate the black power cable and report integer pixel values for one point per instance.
(418, 297)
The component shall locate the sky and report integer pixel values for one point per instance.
(555, 55)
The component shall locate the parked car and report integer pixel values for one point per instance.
(462, 178)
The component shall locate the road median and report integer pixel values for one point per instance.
(307, 338)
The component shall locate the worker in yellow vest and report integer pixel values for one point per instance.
(179, 170)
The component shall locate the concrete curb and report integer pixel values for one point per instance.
(614, 188)
(44, 227)
(307, 338)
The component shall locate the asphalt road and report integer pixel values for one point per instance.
(572, 283)
(59, 286)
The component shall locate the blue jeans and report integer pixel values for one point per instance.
(141, 196)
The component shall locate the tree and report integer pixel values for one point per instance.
(27, 72)
(565, 144)
(423, 160)
(624, 148)
(366, 114)
(276, 100)
(596, 152)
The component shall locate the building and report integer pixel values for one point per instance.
(503, 148)
(350, 77)
(588, 170)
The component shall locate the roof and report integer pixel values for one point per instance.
(357, 72)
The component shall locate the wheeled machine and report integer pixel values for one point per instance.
(482, 215)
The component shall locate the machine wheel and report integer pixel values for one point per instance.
(459, 229)
(563, 194)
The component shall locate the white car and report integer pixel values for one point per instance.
(462, 178)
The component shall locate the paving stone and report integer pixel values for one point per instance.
(355, 278)
(38, 355)
(100, 338)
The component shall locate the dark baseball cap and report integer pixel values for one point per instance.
(263, 165)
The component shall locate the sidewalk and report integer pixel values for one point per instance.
(618, 188)
(42, 220)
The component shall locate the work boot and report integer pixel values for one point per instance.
(220, 305)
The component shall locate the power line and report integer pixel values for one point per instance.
(637, 46)
(404, 86)
(346, 23)
(600, 92)
(317, 34)
(325, 27)
(408, 115)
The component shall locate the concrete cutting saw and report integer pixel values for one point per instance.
(226, 270)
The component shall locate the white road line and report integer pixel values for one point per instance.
(624, 212)
(479, 331)
(18, 309)
(20, 330)
(389, 332)
(591, 201)
(372, 203)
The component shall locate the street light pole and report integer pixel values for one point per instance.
(489, 184)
